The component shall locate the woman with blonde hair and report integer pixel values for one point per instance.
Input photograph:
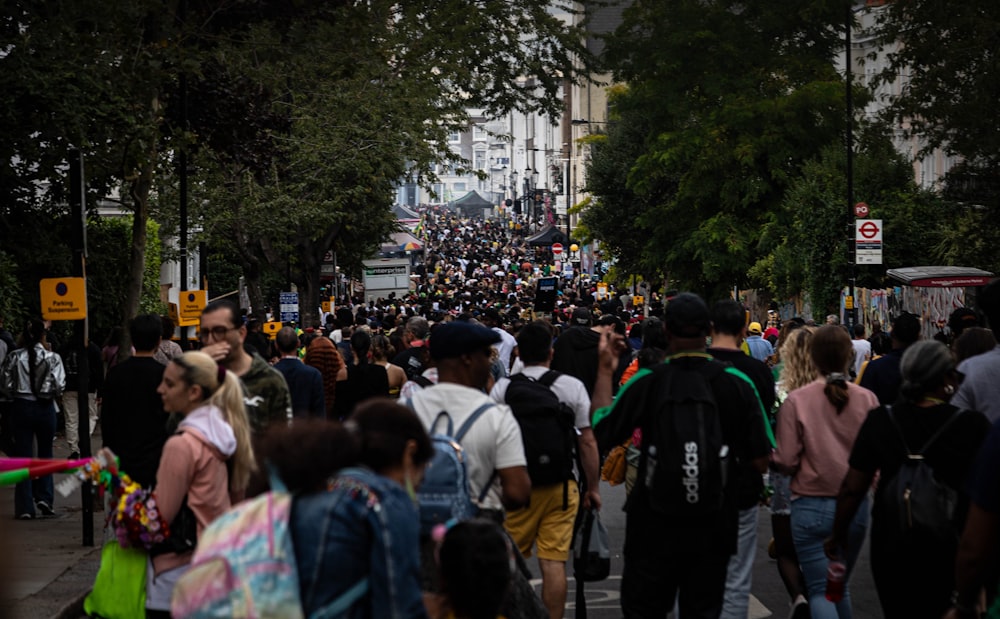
(323, 355)
(796, 370)
(817, 425)
(205, 466)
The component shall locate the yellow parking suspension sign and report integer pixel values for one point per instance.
(190, 303)
(64, 298)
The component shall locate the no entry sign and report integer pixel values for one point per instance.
(557, 249)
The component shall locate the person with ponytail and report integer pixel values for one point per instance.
(33, 377)
(205, 466)
(817, 425)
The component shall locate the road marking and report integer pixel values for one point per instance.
(608, 599)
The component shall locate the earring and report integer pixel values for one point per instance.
(949, 389)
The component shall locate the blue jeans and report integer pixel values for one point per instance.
(736, 603)
(31, 421)
(812, 523)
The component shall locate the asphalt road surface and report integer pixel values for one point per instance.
(769, 598)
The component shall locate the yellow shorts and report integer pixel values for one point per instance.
(545, 522)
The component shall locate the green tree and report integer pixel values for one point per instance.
(808, 237)
(947, 52)
(364, 110)
(737, 96)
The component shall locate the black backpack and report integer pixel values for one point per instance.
(547, 428)
(915, 502)
(685, 459)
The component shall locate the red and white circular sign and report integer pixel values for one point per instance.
(869, 230)
(861, 210)
(557, 249)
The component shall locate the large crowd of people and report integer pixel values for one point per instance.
(720, 415)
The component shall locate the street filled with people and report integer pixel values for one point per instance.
(410, 456)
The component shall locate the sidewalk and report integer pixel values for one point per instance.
(45, 571)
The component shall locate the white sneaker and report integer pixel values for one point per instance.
(800, 608)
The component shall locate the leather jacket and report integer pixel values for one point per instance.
(364, 525)
(49, 375)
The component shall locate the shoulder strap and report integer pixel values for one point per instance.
(344, 602)
(451, 426)
(548, 378)
(944, 426)
(930, 441)
(471, 420)
(899, 431)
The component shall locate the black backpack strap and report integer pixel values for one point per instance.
(930, 441)
(476, 414)
(548, 378)
(940, 431)
(899, 431)
(423, 381)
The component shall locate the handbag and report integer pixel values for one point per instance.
(591, 549)
(615, 464)
(591, 555)
(120, 587)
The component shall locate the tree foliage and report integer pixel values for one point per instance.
(737, 97)
(948, 55)
(299, 118)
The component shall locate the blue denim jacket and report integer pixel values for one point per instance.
(364, 525)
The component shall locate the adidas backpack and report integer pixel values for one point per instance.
(547, 428)
(684, 463)
(444, 493)
(914, 502)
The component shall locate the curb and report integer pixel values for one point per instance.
(74, 608)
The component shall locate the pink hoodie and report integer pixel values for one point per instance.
(814, 441)
(193, 463)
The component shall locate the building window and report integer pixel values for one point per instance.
(459, 187)
(478, 133)
(454, 137)
(479, 160)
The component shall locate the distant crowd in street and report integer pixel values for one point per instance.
(426, 446)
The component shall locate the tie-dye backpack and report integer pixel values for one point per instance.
(244, 566)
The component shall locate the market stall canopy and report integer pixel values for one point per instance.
(471, 204)
(403, 213)
(402, 241)
(547, 237)
(941, 276)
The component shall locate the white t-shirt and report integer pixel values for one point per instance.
(862, 353)
(505, 347)
(493, 442)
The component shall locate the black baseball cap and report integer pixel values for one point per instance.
(457, 338)
(686, 315)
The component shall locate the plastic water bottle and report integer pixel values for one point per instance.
(836, 581)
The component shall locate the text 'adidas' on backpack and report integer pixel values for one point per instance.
(444, 493)
(684, 464)
(547, 428)
(914, 502)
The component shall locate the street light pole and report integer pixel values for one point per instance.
(513, 186)
(530, 207)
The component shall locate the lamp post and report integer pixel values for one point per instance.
(529, 176)
(513, 186)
